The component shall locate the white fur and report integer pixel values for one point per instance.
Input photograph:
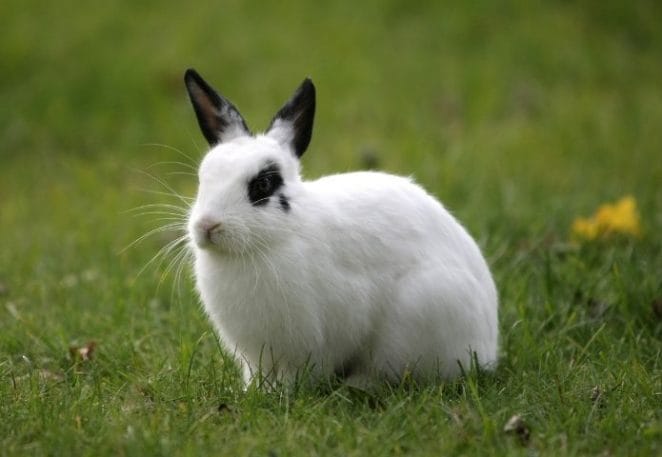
(366, 273)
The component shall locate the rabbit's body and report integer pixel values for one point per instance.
(362, 275)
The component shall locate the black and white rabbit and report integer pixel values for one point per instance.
(362, 275)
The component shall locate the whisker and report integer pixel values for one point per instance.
(173, 162)
(172, 148)
(257, 202)
(169, 206)
(166, 186)
(186, 200)
(185, 259)
(171, 264)
(182, 173)
(172, 216)
(161, 229)
(175, 255)
(161, 253)
(168, 217)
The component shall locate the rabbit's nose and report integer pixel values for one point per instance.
(209, 231)
(208, 227)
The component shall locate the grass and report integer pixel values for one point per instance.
(520, 116)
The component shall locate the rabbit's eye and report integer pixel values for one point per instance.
(263, 186)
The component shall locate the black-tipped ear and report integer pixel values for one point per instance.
(218, 118)
(293, 123)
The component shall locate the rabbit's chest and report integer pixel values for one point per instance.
(247, 300)
(262, 303)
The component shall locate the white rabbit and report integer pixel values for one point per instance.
(360, 275)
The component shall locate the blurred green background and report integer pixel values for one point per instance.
(519, 115)
(499, 107)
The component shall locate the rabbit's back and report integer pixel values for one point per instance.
(378, 219)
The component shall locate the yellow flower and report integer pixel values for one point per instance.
(621, 217)
(584, 228)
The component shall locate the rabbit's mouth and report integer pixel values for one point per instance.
(216, 240)
(220, 245)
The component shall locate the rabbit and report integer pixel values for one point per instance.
(362, 276)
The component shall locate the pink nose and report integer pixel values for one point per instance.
(208, 227)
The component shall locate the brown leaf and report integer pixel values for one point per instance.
(598, 396)
(516, 426)
(596, 393)
(83, 353)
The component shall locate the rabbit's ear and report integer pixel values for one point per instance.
(293, 123)
(218, 118)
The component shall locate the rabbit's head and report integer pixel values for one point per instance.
(248, 184)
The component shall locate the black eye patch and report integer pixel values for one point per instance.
(264, 185)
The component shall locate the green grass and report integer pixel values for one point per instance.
(519, 115)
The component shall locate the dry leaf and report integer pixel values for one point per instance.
(596, 393)
(83, 353)
(518, 427)
(598, 397)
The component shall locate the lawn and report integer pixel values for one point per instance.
(520, 116)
